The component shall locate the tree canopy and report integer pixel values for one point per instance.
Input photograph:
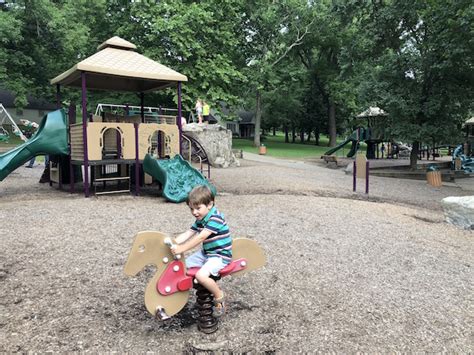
(301, 66)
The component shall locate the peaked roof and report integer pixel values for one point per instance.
(116, 66)
(373, 112)
(118, 42)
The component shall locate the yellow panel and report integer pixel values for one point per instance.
(145, 133)
(95, 139)
(361, 162)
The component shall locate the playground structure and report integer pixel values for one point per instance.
(110, 145)
(168, 291)
(466, 163)
(372, 135)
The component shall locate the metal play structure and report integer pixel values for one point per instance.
(373, 134)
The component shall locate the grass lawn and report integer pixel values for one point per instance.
(12, 142)
(276, 147)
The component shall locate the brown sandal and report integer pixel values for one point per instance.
(219, 306)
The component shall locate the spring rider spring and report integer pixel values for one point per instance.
(168, 291)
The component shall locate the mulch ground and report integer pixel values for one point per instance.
(344, 273)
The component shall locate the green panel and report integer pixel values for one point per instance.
(50, 138)
(176, 175)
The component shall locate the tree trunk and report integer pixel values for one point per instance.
(302, 136)
(316, 135)
(309, 135)
(414, 155)
(287, 139)
(332, 123)
(274, 131)
(293, 134)
(258, 119)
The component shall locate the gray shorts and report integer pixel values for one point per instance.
(211, 265)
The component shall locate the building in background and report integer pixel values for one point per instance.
(34, 111)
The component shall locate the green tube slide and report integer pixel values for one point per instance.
(176, 175)
(50, 138)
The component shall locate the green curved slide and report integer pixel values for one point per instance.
(50, 138)
(352, 138)
(176, 175)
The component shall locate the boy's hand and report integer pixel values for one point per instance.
(177, 249)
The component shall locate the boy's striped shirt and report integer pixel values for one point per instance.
(219, 243)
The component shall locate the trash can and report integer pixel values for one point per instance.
(433, 175)
(262, 150)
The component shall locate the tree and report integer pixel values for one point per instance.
(328, 55)
(200, 40)
(423, 75)
(273, 30)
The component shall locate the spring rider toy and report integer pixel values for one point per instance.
(168, 291)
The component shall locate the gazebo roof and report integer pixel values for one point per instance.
(470, 121)
(372, 112)
(116, 66)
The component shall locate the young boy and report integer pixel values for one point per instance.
(212, 231)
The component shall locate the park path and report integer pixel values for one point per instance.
(300, 177)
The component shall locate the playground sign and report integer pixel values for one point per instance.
(360, 171)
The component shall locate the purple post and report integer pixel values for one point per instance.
(58, 106)
(58, 96)
(71, 113)
(366, 177)
(179, 117)
(142, 106)
(84, 134)
(354, 172)
(137, 163)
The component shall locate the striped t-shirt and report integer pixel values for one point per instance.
(219, 243)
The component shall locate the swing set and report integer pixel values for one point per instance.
(5, 118)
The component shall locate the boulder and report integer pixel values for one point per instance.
(349, 168)
(459, 211)
(216, 141)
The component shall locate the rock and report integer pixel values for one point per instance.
(348, 169)
(459, 211)
(216, 141)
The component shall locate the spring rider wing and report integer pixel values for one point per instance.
(168, 291)
(149, 248)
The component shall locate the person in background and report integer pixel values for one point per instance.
(205, 111)
(28, 134)
(198, 108)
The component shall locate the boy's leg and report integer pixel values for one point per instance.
(211, 266)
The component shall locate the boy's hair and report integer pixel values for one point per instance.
(200, 195)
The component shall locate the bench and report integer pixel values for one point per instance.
(330, 159)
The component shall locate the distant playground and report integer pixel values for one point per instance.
(379, 145)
